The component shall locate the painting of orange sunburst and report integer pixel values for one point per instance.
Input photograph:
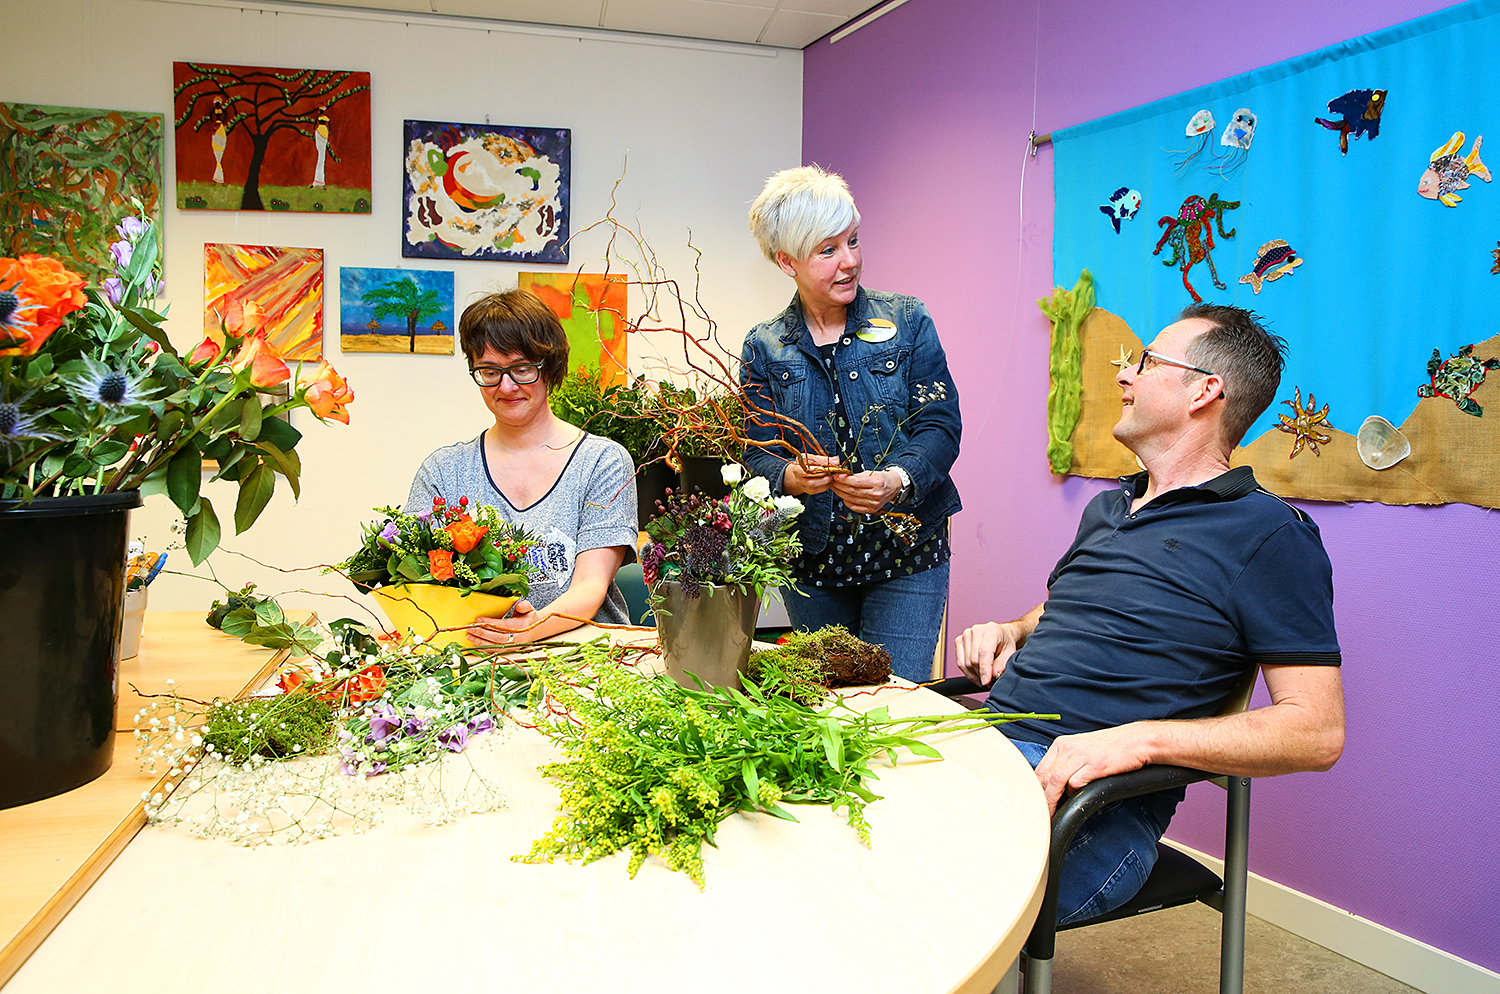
(253, 288)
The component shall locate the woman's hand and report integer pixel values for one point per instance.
(867, 493)
(506, 630)
(810, 474)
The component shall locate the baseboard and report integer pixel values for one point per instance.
(1401, 957)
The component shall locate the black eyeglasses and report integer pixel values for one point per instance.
(1158, 357)
(520, 374)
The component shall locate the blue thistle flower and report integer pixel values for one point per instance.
(13, 322)
(110, 387)
(18, 426)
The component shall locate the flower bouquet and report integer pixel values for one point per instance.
(94, 399)
(438, 571)
(733, 548)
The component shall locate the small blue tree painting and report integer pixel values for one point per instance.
(396, 310)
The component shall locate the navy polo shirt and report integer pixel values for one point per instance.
(1157, 614)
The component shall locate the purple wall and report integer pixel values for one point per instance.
(925, 112)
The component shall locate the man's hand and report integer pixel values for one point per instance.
(984, 650)
(1074, 760)
(809, 474)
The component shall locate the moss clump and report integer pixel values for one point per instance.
(275, 727)
(812, 663)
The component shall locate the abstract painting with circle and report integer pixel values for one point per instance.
(486, 192)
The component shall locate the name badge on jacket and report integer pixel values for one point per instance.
(877, 330)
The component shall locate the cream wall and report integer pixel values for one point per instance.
(702, 125)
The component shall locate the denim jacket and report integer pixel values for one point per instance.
(888, 351)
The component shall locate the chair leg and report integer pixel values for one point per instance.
(1236, 873)
(1011, 982)
(1038, 975)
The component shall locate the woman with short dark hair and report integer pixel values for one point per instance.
(573, 490)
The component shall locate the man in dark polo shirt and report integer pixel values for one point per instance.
(1177, 582)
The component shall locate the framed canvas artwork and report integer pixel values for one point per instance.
(252, 138)
(68, 175)
(591, 307)
(486, 192)
(396, 310)
(255, 288)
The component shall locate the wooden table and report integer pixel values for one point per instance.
(941, 902)
(52, 850)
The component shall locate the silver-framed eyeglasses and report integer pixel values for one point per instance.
(1158, 357)
(520, 373)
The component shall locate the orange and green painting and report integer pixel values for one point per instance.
(591, 307)
(253, 288)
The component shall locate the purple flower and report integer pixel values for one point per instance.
(423, 516)
(454, 739)
(384, 724)
(375, 770)
(131, 228)
(388, 534)
(122, 252)
(480, 724)
(114, 290)
(415, 726)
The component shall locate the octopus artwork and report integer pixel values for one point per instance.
(1191, 234)
(1306, 427)
(1456, 377)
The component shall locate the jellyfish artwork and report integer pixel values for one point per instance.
(1199, 127)
(1236, 139)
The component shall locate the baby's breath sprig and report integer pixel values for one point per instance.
(653, 768)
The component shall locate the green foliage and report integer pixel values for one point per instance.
(653, 767)
(261, 621)
(813, 663)
(621, 414)
(457, 545)
(273, 727)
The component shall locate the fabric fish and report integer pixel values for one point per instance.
(1273, 260)
(1123, 205)
(1447, 172)
(1358, 114)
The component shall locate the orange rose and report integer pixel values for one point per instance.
(440, 562)
(466, 534)
(366, 685)
(47, 292)
(245, 317)
(327, 393)
(265, 364)
(208, 350)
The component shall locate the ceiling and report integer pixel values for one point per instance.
(775, 23)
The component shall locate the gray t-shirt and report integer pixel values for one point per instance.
(591, 506)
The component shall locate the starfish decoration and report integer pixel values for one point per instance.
(1125, 359)
(1306, 424)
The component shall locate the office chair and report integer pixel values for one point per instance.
(1176, 879)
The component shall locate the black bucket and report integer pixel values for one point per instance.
(62, 582)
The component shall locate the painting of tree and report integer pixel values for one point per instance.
(396, 310)
(253, 138)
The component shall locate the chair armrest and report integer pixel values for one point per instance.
(1076, 809)
(956, 686)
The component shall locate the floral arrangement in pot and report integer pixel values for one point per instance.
(94, 398)
(708, 564)
(437, 571)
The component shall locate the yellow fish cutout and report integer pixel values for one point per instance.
(877, 330)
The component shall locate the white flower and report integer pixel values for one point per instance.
(788, 503)
(758, 489)
(732, 472)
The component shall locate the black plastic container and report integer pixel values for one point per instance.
(651, 483)
(704, 474)
(62, 579)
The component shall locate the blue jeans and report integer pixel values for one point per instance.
(902, 614)
(1110, 858)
